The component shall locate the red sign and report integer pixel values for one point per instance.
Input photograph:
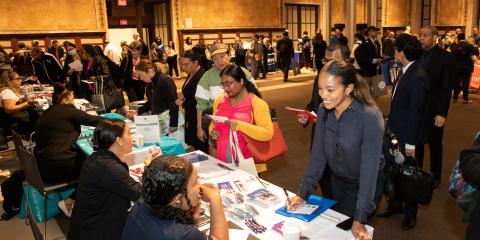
(475, 79)
(122, 3)
(123, 22)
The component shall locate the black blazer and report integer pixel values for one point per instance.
(57, 131)
(440, 67)
(409, 106)
(161, 95)
(364, 55)
(105, 190)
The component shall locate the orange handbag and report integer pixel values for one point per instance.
(263, 151)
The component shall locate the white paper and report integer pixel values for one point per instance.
(237, 234)
(76, 66)
(218, 118)
(304, 209)
(148, 126)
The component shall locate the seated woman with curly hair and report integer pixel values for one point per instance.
(170, 204)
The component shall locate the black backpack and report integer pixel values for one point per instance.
(12, 191)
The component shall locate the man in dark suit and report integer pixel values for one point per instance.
(407, 113)
(463, 52)
(285, 52)
(439, 65)
(368, 56)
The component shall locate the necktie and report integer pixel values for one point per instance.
(56, 53)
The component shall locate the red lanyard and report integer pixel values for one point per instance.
(89, 65)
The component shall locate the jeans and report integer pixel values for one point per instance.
(386, 67)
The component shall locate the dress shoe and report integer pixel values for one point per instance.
(285, 80)
(467, 101)
(408, 223)
(389, 213)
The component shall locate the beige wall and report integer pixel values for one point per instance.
(362, 13)
(336, 8)
(52, 16)
(396, 13)
(445, 13)
(231, 14)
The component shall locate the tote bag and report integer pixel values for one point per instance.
(247, 165)
(263, 151)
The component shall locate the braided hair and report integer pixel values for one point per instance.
(164, 179)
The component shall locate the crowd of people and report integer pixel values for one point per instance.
(346, 156)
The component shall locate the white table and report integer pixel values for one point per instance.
(322, 227)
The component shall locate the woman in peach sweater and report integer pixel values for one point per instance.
(248, 114)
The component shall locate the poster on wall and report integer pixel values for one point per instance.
(475, 80)
(188, 23)
(122, 3)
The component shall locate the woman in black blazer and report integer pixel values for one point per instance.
(105, 188)
(56, 133)
(190, 63)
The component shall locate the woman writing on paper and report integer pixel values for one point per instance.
(170, 204)
(248, 114)
(348, 137)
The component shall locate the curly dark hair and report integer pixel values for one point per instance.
(162, 181)
(234, 71)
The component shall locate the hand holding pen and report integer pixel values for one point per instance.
(292, 202)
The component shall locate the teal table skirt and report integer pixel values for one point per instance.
(168, 145)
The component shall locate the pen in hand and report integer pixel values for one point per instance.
(288, 198)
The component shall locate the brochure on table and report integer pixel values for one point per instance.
(235, 185)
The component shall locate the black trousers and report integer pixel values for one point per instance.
(285, 68)
(436, 152)
(172, 65)
(410, 209)
(463, 79)
(345, 192)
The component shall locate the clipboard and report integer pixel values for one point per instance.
(323, 203)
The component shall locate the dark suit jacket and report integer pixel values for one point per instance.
(288, 52)
(364, 55)
(440, 68)
(409, 106)
(463, 52)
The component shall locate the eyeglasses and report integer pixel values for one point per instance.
(228, 85)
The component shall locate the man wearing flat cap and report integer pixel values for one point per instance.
(208, 88)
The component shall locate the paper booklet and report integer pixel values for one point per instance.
(312, 116)
(263, 198)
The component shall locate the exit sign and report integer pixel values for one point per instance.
(123, 22)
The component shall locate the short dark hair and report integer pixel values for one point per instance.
(409, 45)
(90, 49)
(461, 36)
(60, 92)
(21, 45)
(285, 33)
(192, 55)
(164, 178)
(106, 133)
(305, 32)
(68, 43)
(359, 36)
(54, 41)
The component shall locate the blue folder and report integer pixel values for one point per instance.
(323, 203)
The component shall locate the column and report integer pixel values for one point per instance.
(349, 15)
(372, 12)
(325, 21)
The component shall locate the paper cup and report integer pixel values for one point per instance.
(291, 231)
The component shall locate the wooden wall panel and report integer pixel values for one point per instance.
(336, 11)
(52, 16)
(445, 13)
(397, 13)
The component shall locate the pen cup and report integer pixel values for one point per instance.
(291, 230)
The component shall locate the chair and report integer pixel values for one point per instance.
(37, 235)
(32, 176)
(17, 142)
